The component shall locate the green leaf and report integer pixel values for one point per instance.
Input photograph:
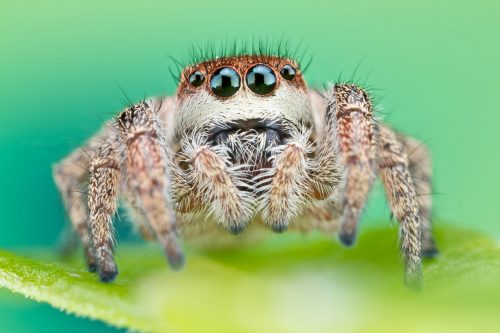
(289, 283)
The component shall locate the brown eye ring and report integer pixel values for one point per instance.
(196, 78)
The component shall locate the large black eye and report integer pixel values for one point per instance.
(196, 79)
(288, 72)
(261, 79)
(225, 82)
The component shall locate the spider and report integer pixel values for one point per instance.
(245, 144)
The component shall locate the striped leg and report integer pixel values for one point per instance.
(70, 175)
(103, 199)
(350, 123)
(148, 181)
(421, 172)
(395, 174)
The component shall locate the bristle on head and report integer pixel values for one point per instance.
(206, 52)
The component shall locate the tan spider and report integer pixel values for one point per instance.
(245, 144)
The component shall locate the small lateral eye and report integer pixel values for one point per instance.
(288, 72)
(261, 79)
(196, 79)
(225, 82)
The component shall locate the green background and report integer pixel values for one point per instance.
(435, 63)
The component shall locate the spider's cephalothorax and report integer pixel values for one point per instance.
(244, 143)
(243, 104)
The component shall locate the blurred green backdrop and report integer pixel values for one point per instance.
(435, 64)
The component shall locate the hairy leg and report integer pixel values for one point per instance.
(394, 172)
(221, 185)
(346, 143)
(69, 176)
(285, 183)
(104, 186)
(148, 182)
(349, 140)
(421, 171)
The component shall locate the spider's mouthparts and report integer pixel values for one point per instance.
(272, 130)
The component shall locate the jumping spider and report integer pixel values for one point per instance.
(244, 142)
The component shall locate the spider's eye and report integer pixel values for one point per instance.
(196, 79)
(261, 79)
(225, 82)
(288, 72)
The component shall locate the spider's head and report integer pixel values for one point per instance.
(259, 99)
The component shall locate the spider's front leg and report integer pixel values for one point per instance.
(134, 156)
(347, 142)
(147, 160)
(349, 131)
(361, 151)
